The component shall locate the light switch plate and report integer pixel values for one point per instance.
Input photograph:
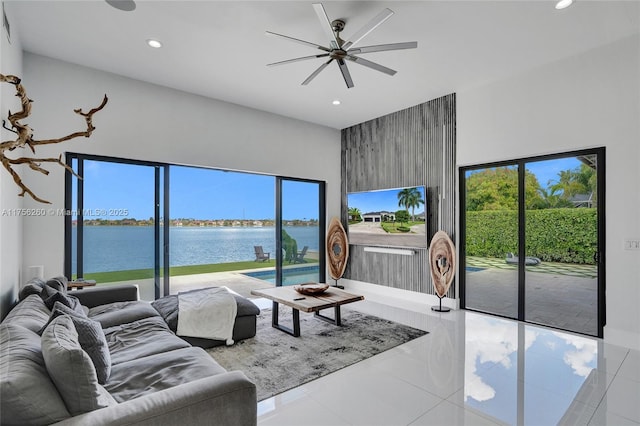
(632, 244)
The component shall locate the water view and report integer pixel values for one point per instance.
(117, 248)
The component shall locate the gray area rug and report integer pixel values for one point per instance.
(276, 361)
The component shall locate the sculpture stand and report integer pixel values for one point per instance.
(341, 287)
(440, 308)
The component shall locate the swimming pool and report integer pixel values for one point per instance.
(291, 276)
(306, 274)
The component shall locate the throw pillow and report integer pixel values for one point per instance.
(34, 286)
(71, 368)
(59, 283)
(48, 291)
(91, 338)
(61, 308)
(66, 299)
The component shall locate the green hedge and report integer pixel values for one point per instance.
(565, 235)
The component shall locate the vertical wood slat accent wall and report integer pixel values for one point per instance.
(412, 147)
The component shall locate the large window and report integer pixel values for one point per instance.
(167, 227)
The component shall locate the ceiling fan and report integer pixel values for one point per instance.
(340, 50)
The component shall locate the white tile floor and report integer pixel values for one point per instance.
(471, 369)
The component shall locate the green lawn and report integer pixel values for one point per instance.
(391, 227)
(139, 274)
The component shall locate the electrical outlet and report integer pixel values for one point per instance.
(632, 244)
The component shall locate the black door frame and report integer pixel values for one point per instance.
(161, 253)
(600, 255)
(322, 220)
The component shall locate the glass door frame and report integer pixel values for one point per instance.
(600, 255)
(322, 219)
(161, 210)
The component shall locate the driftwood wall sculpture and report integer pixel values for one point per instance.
(24, 138)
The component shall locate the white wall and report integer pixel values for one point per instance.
(149, 122)
(10, 225)
(590, 100)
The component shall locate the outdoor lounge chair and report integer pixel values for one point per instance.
(261, 256)
(528, 260)
(300, 255)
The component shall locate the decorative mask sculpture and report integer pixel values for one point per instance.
(442, 263)
(337, 249)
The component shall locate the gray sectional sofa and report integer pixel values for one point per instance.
(102, 357)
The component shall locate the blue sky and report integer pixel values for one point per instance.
(214, 194)
(375, 201)
(194, 193)
(548, 170)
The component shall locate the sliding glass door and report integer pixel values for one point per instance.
(167, 228)
(562, 290)
(219, 219)
(532, 240)
(491, 214)
(114, 223)
(300, 224)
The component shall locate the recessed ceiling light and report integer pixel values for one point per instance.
(563, 4)
(125, 5)
(154, 43)
(336, 102)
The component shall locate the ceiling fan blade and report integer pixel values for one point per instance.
(383, 47)
(303, 58)
(326, 24)
(371, 65)
(297, 40)
(316, 72)
(345, 73)
(372, 25)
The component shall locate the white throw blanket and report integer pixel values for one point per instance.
(209, 313)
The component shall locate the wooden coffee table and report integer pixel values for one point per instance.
(331, 298)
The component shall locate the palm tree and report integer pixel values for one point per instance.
(552, 198)
(354, 213)
(581, 180)
(410, 198)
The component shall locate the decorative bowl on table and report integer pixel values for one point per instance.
(311, 289)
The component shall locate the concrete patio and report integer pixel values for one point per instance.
(559, 295)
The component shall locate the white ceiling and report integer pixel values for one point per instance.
(219, 49)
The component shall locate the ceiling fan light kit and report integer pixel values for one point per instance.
(340, 50)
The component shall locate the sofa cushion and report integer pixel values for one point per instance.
(91, 338)
(30, 313)
(71, 368)
(27, 394)
(121, 313)
(164, 370)
(141, 338)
